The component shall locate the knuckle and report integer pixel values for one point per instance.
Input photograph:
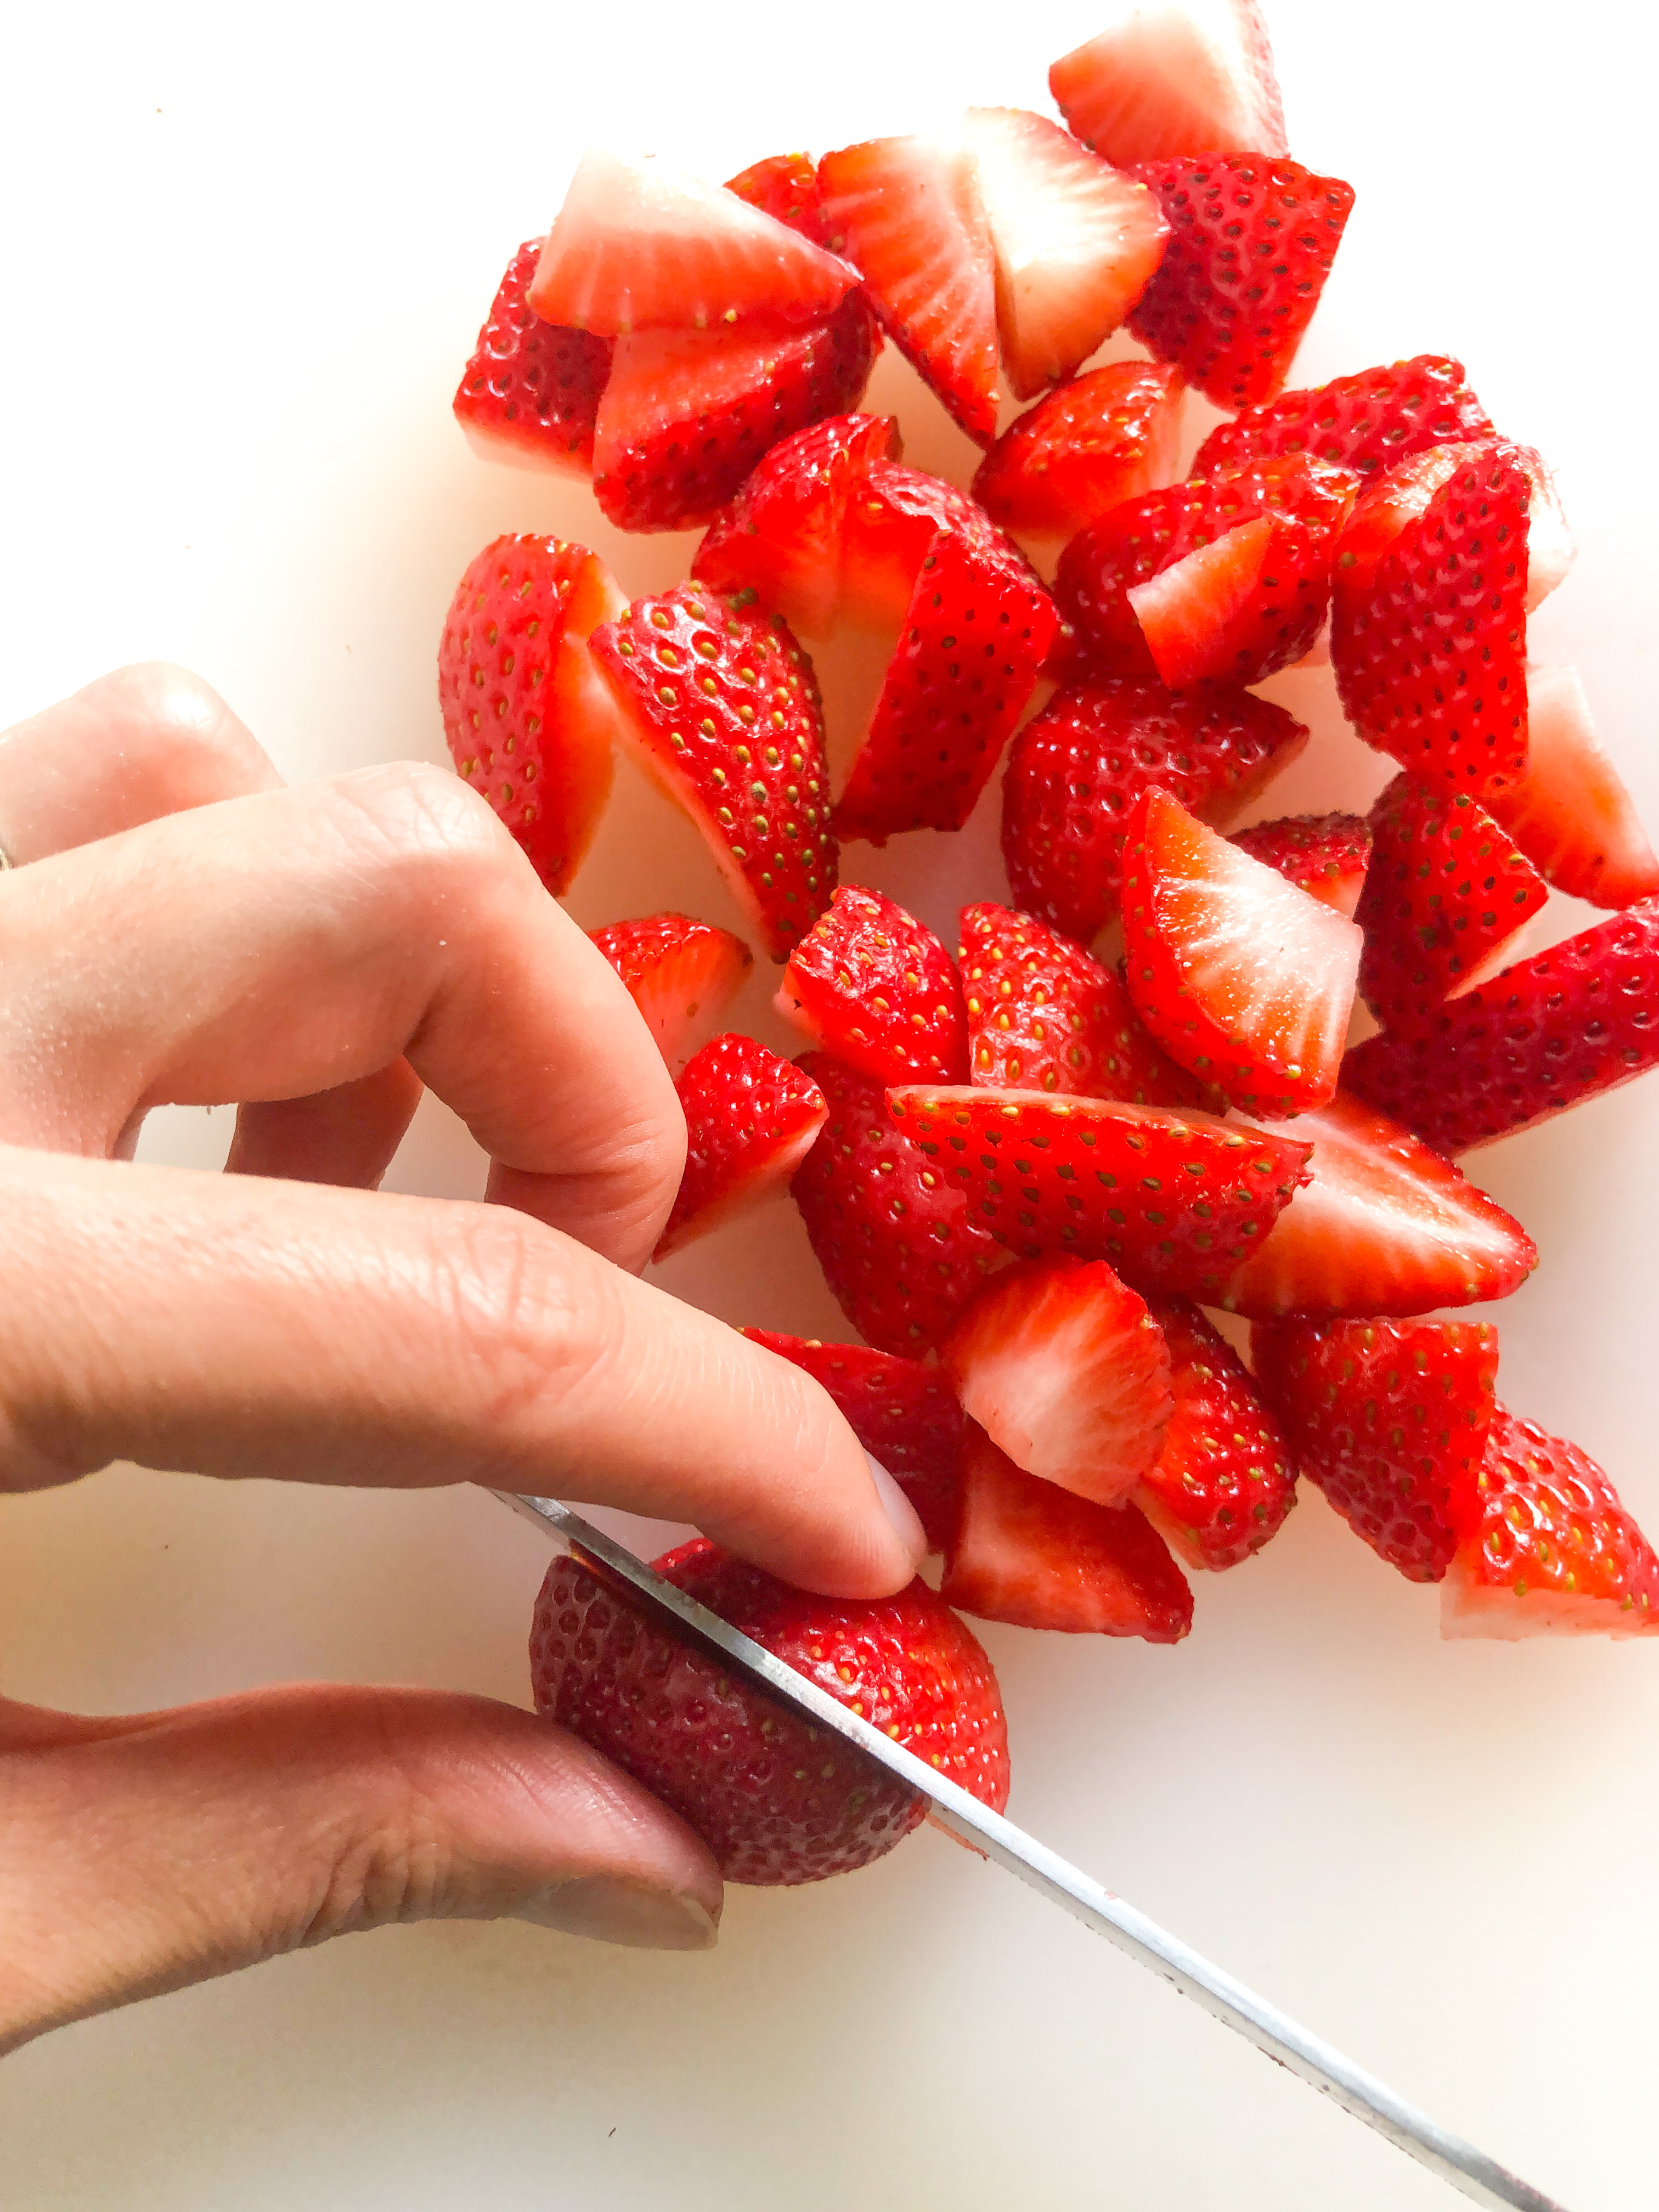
(422, 831)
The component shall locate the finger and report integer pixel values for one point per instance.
(347, 1135)
(183, 1845)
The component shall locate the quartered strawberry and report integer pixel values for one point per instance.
(1546, 1034)
(903, 1414)
(531, 391)
(774, 1799)
(1325, 855)
(721, 707)
(1084, 448)
(1042, 1015)
(1369, 423)
(1174, 1202)
(681, 974)
(1546, 1547)
(893, 1237)
(529, 719)
(1234, 610)
(1252, 241)
(786, 187)
(1224, 1481)
(1569, 812)
(878, 992)
(1029, 1553)
(639, 245)
(1552, 548)
(1077, 769)
(1390, 1418)
(1064, 1369)
(751, 1120)
(1383, 1225)
(1174, 76)
(1242, 978)
(1447, 893)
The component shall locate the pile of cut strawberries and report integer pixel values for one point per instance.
(1026, 1171)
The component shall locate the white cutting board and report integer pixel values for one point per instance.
(247, 254)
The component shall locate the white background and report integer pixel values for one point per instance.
(247, 254)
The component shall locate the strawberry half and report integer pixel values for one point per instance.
(1083, 450)
(1252, 241)
(774, 1799)
(1569, 812)
(1224, 1481)
(531, 391)
(1389, 1418)
(878, 992)
(681, 974)
(529, 721)
(1369, 423)
(1383, 1225)
(721, 707)
(1327, 855)
(751, 1120)
(1175, 76)
(1029, 1553)
(1240, 977)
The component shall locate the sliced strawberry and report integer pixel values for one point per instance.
(1087, 446)
(1547, 1034)
(1390, 1418)
(901, 1412)
(1174, 76)
(751, 1120)
(639, 245)
(894, 1239)
(908, 212)
(681, 974)
(878, 992)
(1224, 1481)
(1240, 977)
(786, 187)
(1076, 770)
(529, 721)
(1325, 855)
(1552, 548)
(1569, 812)
(531, 391)
(1233, 611)
(1369, 423)
(1252, 241)
(1447, 893)
(1383, 1226)
(1174, 1202)
(721, 707)
(1028, 1553)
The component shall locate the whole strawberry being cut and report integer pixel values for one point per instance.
(1369, 423)
(1223, 1480)
(1327, 855)
(531, 391)
(1084, 448)
(776, 1800)
(878, 992)
(1173, 76)
(750, 1119)
(680, 973)
(1569, 812)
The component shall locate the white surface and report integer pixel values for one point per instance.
(248, 252)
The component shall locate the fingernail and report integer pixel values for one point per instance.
(900, 1512)
(610, 1909)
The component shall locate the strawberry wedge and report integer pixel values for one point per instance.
(1327, 855)
(872, 987)
(1088, 445)
(531, 391)
(1570, 813)
(750, 1119)
(1224, 1480)
(1369, 423)
(1173, 76)
(680, 973)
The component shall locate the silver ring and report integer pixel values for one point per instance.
(6, 861)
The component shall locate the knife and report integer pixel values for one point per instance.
(1469, 2170)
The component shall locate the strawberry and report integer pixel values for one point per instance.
(786, 187)
(1383, 1225)
(721, 707)
(1028, 1553)
(1546, 1034)
(1428, 616)
(1235, 609)
(1252, 241)
(902, 1413)
(1173, 1201)
(1446, 894)
(1240, 977)
(639, 245)
(1076, 243)
(1224, 1481)
(531, 391)
(1065, 1370)
(1077, 769)
(1569, 812)
(1043, 1016)
(775, 1800)
(1545, 1549)
(894, 1239)
(908, 212)
(1327, 855)
(529, 721)
(1369, 423)
(1390, 1418)
(1552, 548)
(680, 974)
(1086, 447)
(751, 1120)
(1174, 76)
(878, 992)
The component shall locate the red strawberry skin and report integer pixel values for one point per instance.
(786, 187)
(750, 1119)
(878, 992)
(680, 973)
(1368, 422)
(1083, 449)
(776, 1802)
(531, 391)
(1327, 855)
(1224, 1480)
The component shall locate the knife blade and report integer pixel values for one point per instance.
(1312, 2060)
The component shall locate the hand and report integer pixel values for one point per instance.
(317, 956)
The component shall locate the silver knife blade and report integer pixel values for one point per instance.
(1314, 2061)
